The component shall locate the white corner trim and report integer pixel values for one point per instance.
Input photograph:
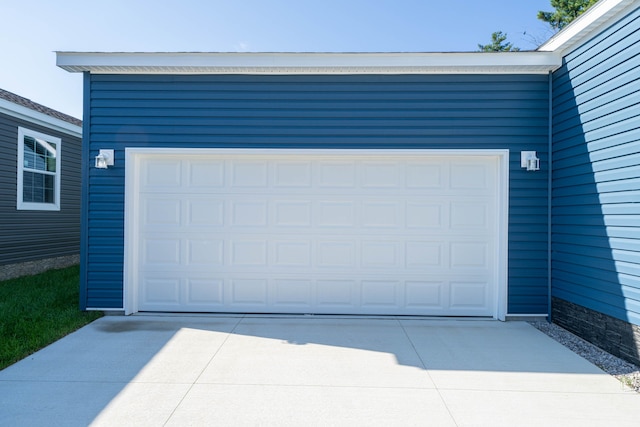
(36, 117)
(594, 20)
(308, 63)
(131, 232)
(503, 189)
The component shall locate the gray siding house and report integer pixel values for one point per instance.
(40, 152)
(498, 185)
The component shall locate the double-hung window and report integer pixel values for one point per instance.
(38, 171)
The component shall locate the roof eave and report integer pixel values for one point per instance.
(308, 63)
(595, 19)
(36, 117)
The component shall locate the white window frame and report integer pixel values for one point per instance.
(21, 204)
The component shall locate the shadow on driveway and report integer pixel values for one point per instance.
(199, 370)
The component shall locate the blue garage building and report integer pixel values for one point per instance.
(499, 185)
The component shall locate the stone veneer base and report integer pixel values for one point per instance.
(615, 336)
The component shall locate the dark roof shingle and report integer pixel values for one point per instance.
(17, 99)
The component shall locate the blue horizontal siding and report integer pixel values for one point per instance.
(602, 52)
(596, 173)
(612, 232)
(598, 87)
(590, 188)
(603, 161)
(615, 100)
(597, 242)
(605, 147)
(357, 111)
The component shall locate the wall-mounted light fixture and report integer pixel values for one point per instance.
(529, 160)
(104, 159)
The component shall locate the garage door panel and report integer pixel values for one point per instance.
(468, 295)
(470, 255)
(293, 293)
(427, 215)
(381, 254)
(209, 174)
(160, 291)
(470, 215)
(292, 174)
(248, 253)
(471, 177)
(249, 174)
(336, 174)
(335, 213)
(249, 213)
(380, 214)
(292, 213)
(204, 292)
(292, 253)
(248, 293)
(336, 294)
(425, 254)
(205, 252)
(372, 295)
(380, 294)
(162, 212)
(161, 251)
(425, 175)
(204, 211)
(161, 175)
(176, 212)
(422, 295)
(317, 235)
(380, 175)
(336, 254)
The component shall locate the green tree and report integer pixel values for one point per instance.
(565, 12)
(498, 44)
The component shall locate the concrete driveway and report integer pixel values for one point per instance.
(182, 370)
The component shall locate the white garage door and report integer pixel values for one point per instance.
(355, 232)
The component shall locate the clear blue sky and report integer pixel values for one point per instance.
(32, 30)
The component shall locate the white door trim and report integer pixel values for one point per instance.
(133, 157)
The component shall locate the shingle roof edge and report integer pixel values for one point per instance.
(27, 103)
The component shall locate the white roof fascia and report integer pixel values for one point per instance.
(308, 63)
(595, 19)
(36, 117)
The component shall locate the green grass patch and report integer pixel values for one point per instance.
(36, 311)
